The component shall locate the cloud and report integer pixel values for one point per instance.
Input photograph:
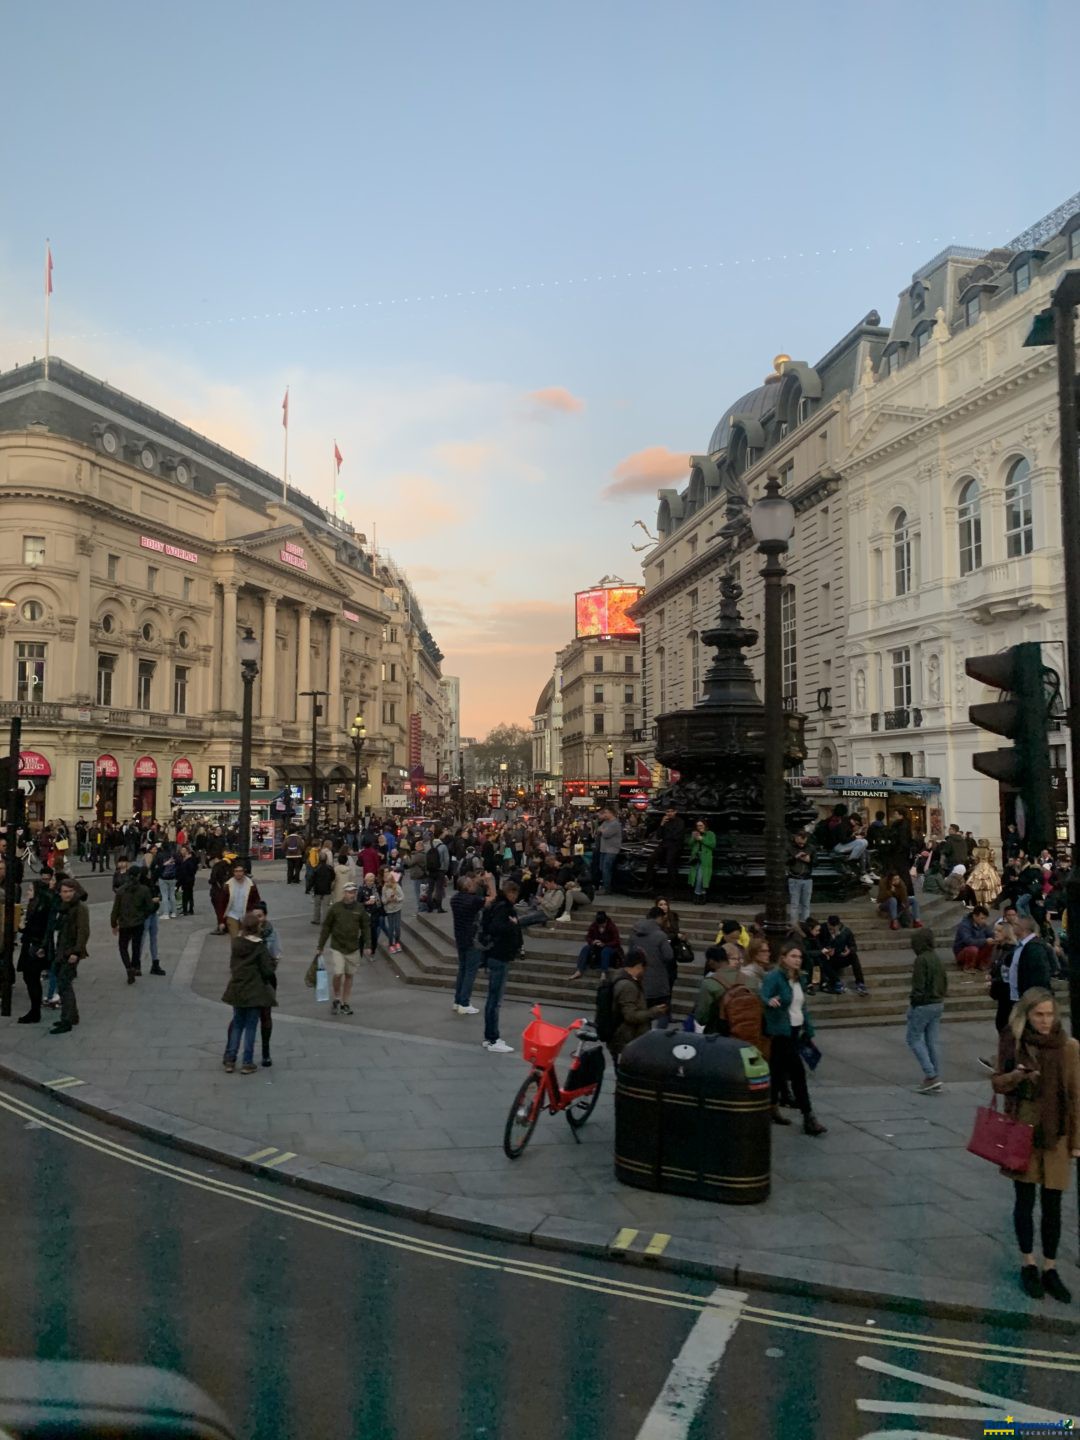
(556, 398)
(466, 456)
(645, 471)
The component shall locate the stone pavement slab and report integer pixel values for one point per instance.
(403, 1101)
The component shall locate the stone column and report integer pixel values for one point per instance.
(83, 668)
(303, 657)
(268, 659)
(333, 678)
(229, 671)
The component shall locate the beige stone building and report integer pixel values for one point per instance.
(135, 553)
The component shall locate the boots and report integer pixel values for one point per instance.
(812, 1125)
(32, 1017)
(777, 1118)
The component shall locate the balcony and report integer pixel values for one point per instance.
(29, 710)
(100, 717)
(900, 718)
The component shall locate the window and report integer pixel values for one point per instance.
(598, 724)
(33, 550)
(922, 338)
(892, 362)
(788, 642)
(628, 664)
(823, 524)
(692, 602)
(787, 475)
(598, 664)
(180, 689)
(1022, 277)
(825, 608)
(804, 409)
(695, 667)
(901, 678)
(969, 519)
(147, 631)
(144, 691)
(598, 694)
(152, 573)
(106, 668)
(389, 712)
(628, 694)
(628, 722)
(661, 681)
(901, 554)
(972, 309)
(1019, 533)
(659, 569)
(1074, 243)
(187, 585)
(183, 639)
(108, 624)
(112, 567)
(918, 299)
(393, 670)
(29, 671)
(32, 610)
(692, 546)
(393, 634)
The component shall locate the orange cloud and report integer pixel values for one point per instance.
(645, 471)
(556, 397)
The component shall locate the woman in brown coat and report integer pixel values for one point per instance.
(1038, 1072)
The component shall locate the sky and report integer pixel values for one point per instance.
(516, 261)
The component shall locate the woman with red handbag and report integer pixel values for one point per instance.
(1038, 1072)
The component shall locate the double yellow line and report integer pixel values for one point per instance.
(864, 1335)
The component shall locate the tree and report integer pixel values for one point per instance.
(509, 743)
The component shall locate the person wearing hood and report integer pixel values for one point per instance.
(929, 986)
(658, 976)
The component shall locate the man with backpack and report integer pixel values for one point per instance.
(726, 1005)
(499, 937)
(438, 868)
(622, 1012)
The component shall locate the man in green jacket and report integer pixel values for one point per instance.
(929, 986)
(348, 930)
(131, 906)
(72, 938)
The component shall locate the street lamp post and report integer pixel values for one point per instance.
(248, 651)
(316, 711)
(503, 772)
(772, 520)
(358, 732)
(610, 773)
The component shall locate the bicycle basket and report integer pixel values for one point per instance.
(542, 1042)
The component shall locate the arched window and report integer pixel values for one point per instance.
(901, 553)
(969, 519)
(1019, 530)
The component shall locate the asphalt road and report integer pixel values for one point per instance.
(304, 1317)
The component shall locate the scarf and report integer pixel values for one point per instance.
(1046, 1053)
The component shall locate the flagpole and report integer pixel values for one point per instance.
(333, 486)
(285, 462)
(48, 296)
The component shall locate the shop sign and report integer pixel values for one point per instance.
(293, 554)
(880, 787)
(183, 770)
(31, 763)
(217, 778)
(107, 768)
(809, 782)
(145, 768)
(86, 785)
(183, 788)
(174, 552)
(260, 779)
(350, 615)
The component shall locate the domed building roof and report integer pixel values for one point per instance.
(754, 402)
(546, 697)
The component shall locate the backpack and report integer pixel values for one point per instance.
(740, 1011)
(433, 862)
(604, 1020)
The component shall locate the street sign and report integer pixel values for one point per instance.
(28, 787)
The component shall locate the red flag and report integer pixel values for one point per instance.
(285, 409)
(338, 457)
(48, 268)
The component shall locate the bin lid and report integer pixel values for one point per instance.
(705, 1063)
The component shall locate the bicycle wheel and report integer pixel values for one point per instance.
(524, 1113)
(582, 1108)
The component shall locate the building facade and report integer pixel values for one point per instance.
(135, 553)
(601, 676)
(547, 725)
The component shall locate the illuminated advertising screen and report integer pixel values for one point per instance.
(603, 611)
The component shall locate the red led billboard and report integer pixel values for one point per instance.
(603, 611)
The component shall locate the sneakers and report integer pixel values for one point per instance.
(986, 1064)
(248, 1069)
(1052, 1284)
(929, 1086)
(498, 1047)
(466, 1010)
(563, 919)
(335, 1006)
(267, 1062)
(812, 1126)
(344, 1009)
(228, 1066)
(861, 990)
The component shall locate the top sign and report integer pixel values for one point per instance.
(175, 552)
(293, 554)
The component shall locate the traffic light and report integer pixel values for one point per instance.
(1031, 689)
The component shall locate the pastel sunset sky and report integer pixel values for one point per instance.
(516, 260)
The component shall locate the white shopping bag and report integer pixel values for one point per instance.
(322, 982)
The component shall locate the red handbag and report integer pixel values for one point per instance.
(999, 1138)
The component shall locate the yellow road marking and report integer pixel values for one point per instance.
(280, 1159)
(65, 1082)
(262, 1154)
(976, 1350)
(624, 1239)
(657, 1245)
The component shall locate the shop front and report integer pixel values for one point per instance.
(918, 801)
(106, 778)
(34, 775)
(144, 798)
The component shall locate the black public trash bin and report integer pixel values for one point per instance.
(692, 1116)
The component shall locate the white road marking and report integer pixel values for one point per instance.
(993, 1403)
(695, 1365)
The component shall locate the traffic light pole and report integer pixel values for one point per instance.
(11, 884)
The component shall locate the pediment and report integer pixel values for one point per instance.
(885, 427)
(291, 550)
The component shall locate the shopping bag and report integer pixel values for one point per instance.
(999, 1138)
(322, 983)
(311, 973)
(811, 1055)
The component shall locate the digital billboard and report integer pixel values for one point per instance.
(603, 611)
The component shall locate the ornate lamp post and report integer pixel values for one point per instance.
(610, 753)
(504, 769)
(358, 734)
(248, 650)
(772, 520)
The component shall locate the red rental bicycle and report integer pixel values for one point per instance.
(541, 1043)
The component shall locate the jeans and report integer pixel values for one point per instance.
(497, 970)
(799, 891)
(854, 850)
(607, 954)
(923, 1023)
(392, 921)
(322, 905)
(892, 905)
(130, 937)
(242, 1027)
(470, 958)
(607, 871)
(697, 877)
(418, 885)
(1024, 1218)
(168, 897)
(65, 979)
(150, 932)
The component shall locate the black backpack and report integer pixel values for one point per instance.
(604, 1021)
(434, 861)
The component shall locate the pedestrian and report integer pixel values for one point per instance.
(167, 883)
(273, 946)
(466, 905)
(838, 952)
(294, 857)
(1032, 963)
(322, 884)
(132, 905)
(219, 894)
(647, 937)
(895, 900)
(187, 868)
(788, 1024)
(500, 938)
(32, 953)
(669, 847)
(611, 840)
(800, 872)
(632, 1015)
(1038, 1072)
(438, 868)
(249, 991)
(344, 873)
(702, 849)
(929, 986)
(973, 940)
(148, 877)
(370, 896)
(72, 938)
(393, 899)
(983, 879)
(241, 893)
(602, 948)
(346, 930)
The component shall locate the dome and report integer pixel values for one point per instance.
(755, 402)
(546, 697)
